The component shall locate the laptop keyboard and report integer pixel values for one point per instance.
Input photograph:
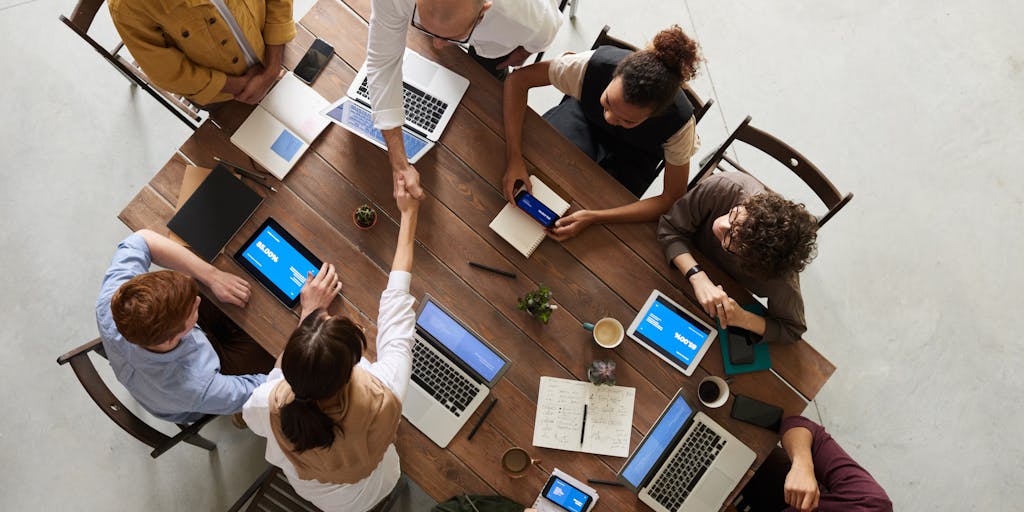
(686, 467)
(421, 109)
(437, 377)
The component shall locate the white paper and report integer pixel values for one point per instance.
(559, 422)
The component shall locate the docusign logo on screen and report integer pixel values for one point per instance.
(672, 332)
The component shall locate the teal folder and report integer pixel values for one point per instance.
(762, 359)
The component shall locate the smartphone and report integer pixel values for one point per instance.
(741, 346)
(757, 412)
(536, 209)
(566, 496)
(314, 61)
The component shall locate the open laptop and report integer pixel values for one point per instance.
(453, 369)
(430, 92)
(687, 462)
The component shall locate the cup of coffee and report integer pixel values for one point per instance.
(608, 332)
(713, 392)
(516, 461)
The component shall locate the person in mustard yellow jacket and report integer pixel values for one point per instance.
(209, 51)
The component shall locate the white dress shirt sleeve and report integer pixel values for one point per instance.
(389, 22)
(396, 326)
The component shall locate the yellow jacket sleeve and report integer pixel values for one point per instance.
(279, 27)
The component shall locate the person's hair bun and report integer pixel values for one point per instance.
(677, 52)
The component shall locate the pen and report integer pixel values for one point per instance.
(252, 174)
(603, 482)
(492, 269)
(258, 182)
(482, 418)
(583, 429)
(471, 503)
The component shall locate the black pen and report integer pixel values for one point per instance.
(604, 482)
(492, 269)
(583, 429)
(482, 418)
(242, 170)
(258, 182)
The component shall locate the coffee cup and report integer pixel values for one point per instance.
(516, 461)
(608, 332)
(713, 392)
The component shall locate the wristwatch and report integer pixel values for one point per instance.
(694, 270)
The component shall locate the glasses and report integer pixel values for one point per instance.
(730, 235)
(419, 26)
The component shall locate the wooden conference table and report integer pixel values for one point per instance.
(606, 271)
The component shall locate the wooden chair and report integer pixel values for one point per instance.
(271, 491)
(116, 411)
(784, 154)
(81, 19)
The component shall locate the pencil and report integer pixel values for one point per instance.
(603, 482)
(258, 182)
(252, 174)
(483, 417)
(492, 269)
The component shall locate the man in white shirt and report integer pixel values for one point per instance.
(510, 30)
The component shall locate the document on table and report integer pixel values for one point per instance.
(561, 422)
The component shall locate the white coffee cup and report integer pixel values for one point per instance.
(608, 332)
(720, 390)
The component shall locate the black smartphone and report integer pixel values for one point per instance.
(314, 61)
(566, 496)
(741, 346)
(536, 209)
(757, 412)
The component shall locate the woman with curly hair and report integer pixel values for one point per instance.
(625, 110)
(759, 238)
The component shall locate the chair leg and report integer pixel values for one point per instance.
(189, 434)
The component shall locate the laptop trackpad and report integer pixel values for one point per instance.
(416, 404)
(418, 71)
(715, 487)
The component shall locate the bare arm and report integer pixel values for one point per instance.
(400, 166)
(167, 253)
(517, 87)
(410, 207)
(801, 487)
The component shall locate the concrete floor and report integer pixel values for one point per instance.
(910, 105)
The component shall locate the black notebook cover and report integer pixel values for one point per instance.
(213, 214)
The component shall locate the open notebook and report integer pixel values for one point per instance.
(518, 228)
(282, 126)
(579, 416)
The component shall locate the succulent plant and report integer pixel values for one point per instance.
(538, 304)
(365, 216)
(602, 372)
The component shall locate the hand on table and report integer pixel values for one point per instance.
(515, 59)
(403, 198)
(259, 85)
(515, 170)
(319, 290)
(571, 225)
(801, 487)
(229, 288)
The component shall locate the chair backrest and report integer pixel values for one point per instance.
(785, 155)
(700, 107)
(84, 12)
(271, 491)
(97, 389)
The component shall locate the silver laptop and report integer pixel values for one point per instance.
(453, 369)
(430, 92)
(687, 462)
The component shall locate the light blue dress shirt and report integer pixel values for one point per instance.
(181, 385)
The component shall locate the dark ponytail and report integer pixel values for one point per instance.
(652, 77)
(317, 363)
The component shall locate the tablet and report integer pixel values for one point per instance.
(277, 261)
(672, 333)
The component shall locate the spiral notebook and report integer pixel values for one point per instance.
(518, 228)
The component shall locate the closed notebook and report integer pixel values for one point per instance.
(521, 230)
(278, 132)
(214, 213)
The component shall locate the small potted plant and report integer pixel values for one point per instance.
(364, 217)
(602, 372)
(538, 304)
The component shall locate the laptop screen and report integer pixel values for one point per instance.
(657, 441)
(672, 331)
(459, 341)
(356, 117)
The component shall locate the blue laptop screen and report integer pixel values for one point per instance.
(656, 442)
(357, 118)
(275, 258)
(443, 328)
(671, 331)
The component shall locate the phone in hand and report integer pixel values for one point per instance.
(757, 412)
(741, 346)
(565, 496)
(314, 61)
(536, 209)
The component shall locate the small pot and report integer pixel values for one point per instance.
(360, 226)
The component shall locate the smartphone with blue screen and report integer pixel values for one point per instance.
(566, 496)
(536, 209)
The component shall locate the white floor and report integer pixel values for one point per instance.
(914, 106)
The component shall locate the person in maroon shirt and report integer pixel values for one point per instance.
(823, 476)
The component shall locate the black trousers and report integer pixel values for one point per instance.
(491, 64)
(633, 167)
(239, 354)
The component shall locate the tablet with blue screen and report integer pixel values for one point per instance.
(278, 261)
(672, 333)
